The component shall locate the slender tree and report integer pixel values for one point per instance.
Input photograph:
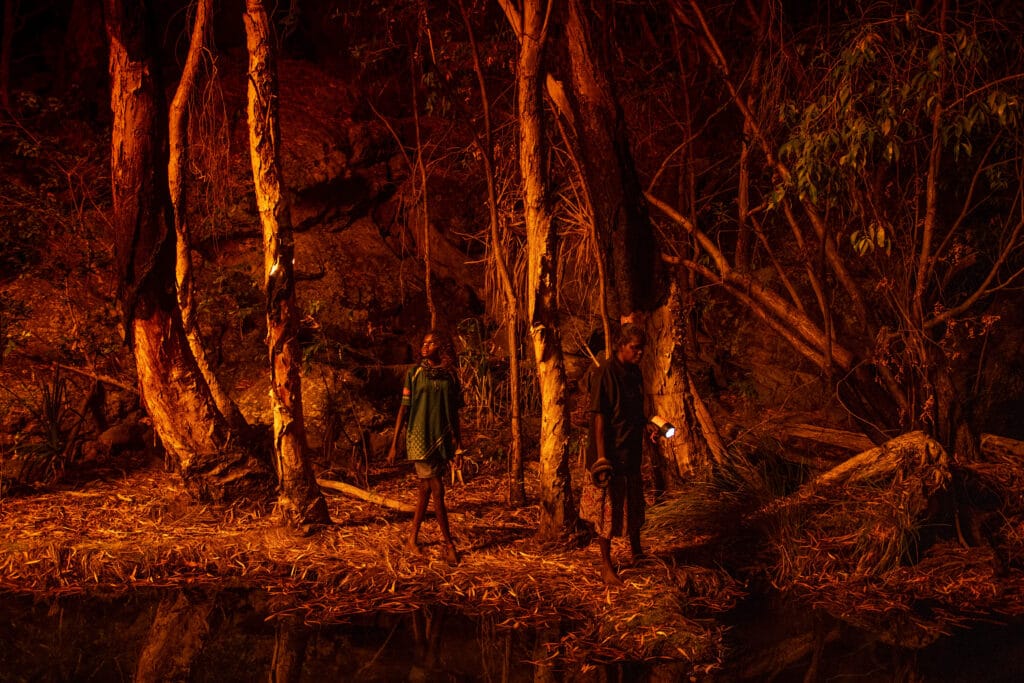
(177, 176)
(213, 463)
(516, 484)
(300, 500)
(423, 206)
(558, 515)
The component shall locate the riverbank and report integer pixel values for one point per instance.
(127, 530)
(119, 533)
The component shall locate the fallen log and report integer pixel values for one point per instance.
(992, 445)
(840, 438)
(363, 494)
(888, 459)
(391, 503)
(860, 517)
(891, 460)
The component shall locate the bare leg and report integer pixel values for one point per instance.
(441, 510)
(608, 573)
(422, 499)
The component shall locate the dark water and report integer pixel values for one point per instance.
(227, 636)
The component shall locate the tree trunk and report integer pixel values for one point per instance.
(624, 233)
(300, 501)
(697, 446)
(516, 482)
(424, 207)
(558, 515)
(177, 175)
(212, 463)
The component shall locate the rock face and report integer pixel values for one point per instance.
(355, 211)
(358, 257)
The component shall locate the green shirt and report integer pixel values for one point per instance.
(433, 396)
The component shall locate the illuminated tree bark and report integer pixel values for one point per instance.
(697, 445)
(177, 175)
(558, 515)
(213, 464)
(300, 501)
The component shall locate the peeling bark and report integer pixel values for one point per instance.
(299, 500)
(177, 175)
(697, 445)
(213, 464)
(557, 512)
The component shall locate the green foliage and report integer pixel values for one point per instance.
(868, 122)
(869, 238)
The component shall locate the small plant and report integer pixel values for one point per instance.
(50, 446)
(345, 439)
(481, 388)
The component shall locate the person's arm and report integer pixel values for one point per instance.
(457, 425)
(600, 412)
(599, 422)
(403, 410)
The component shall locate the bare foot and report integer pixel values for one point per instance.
(640, 558)
(451, 556)
(609, 576)
(413, 548)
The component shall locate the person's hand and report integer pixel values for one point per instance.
(391, 455)
(652, 432)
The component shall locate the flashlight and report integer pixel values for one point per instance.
(665, 428)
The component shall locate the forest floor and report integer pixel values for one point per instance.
(120, 530)
(108, 530)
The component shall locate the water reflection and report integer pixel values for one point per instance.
(226, 636)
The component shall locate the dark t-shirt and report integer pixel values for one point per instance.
(617, 392)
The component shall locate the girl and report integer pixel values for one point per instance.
(431, 400)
